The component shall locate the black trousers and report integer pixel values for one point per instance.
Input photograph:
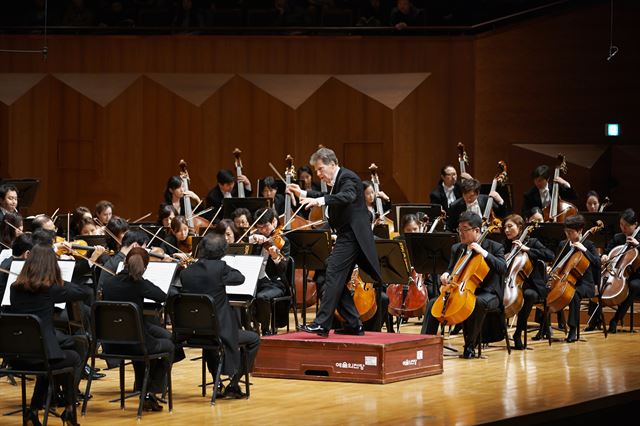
(530, 298)
(344, 256)
(266, 292)
(252, 342)
(574, 305)
(634, 291)
(376, 322)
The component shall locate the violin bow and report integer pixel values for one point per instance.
(252, 225)
(212, 220)
(164, 241)
(53, 216)
(154, 236)
(75, 253)
(141, 218)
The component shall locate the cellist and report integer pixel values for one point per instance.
(534, 287)
(585, 285)
(628, 226)
(489, 293)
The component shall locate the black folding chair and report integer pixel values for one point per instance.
(21, 340)
(195, 319)
(288, 299)
(120, 323)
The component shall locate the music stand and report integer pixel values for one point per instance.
(401, 209)
(611, 222)
(309, 249)
(27, 189)
(381, 231)
(250, 203)
(550, 234)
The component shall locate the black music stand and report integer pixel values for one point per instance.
(611, 222)
(381, 231)
(310, 250)
(550, 234)
(401, 209)
(27, 189)
(250, 203)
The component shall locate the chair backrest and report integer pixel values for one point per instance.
(291, 275)
(118, 323)
(193, 315)
(21, 338)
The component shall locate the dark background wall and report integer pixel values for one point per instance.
(100, 125)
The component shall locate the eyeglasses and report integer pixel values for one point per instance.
(462, 230)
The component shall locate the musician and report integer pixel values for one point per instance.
(536, 215)
(8, 200)
(474, 202)
(178, 237)
(226, 188)
(448, 189)
(20, 250)
(117, 227)
(87, 227)
(210, 275)
(241, 219)
(409, 223)
(540, 194)
(370, 200)
(227, 229)
(130, 286)
(275, 281)
(305, 179)
(10, 228)
(534, 288)
(593, 202)
(130, 240)
(628, 225)
(489, 294)
(174, 195)
(585, 285)
(104, 211)
(79, 214)
(38, 287)
(348, 216)
(270, 191)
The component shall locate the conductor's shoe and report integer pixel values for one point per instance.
(314, 328)
(359, 331)
(468, 353)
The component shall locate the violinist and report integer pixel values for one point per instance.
(130, 286)
(305, 179)
(241, 219)
(8, 200)
(174, 195)
(534, 287)
(117, 227)
(226, 228)
(179, 245)
(536, 215)
(593, 202)
(348, 216)
(104, 211)
(408, 224)
(628, 225)
(472, 201)
(274, 283)
(166, 213)
(210, 275)
(370, 200)
(540, 194)
(490, 292)
(79, 214)
(585, 285)
(10, 228)
(448, 189)
(226, 188)
(87, 227)
(270, 191)
(130, 240)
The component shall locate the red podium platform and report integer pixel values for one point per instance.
(372, 358)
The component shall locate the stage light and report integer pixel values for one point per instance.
(612, 129)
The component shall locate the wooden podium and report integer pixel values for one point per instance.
(372, 358)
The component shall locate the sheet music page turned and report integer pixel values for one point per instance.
(250, 267)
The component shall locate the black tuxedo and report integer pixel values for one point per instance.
(211, 277)
(438, 196)
(349, 217)
(215, 197)
(275, 284)
(488, 295)
(532, 199)
(459, 207)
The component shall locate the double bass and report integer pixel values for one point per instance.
(558, 210)
(286, 219)
(463, 158)
(238, 166)
(623, 260)
(194, 222)
(519, 267)
(380, 213)
(566, 272)
(457, 302)
(500, 178)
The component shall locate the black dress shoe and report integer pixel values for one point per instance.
(591, 327)
(69, 418)
(151, 403)
(351, 331)
(573, 335)
(233, 391)
(94, 373)
(517, 342)
(613, 326)
(314, 328)
(468, 353)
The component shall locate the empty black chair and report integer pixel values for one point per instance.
(195, 319)
(120, 324)
(279, 315)
(21, 340)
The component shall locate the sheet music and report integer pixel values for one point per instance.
(159, 273)
(66, 270)
(5, 254)
(251, 267)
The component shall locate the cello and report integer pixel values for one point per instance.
(194, 222)
(238, 166)
(364, 296)
(380, 213)
(456, 303)
(519, 267)
(500, 178)
(558, 210)
(566, 272)
(623, 260)
(409, 299)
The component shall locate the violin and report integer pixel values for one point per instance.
(566, 272)
(623, 260)
(186, 245)
(519, 267)
(364, 296)
(501, 178)
(456, 303)
(558, 210)
(238, 166)
(380, 214)
(195, 223)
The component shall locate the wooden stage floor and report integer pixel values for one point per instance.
(496, 388)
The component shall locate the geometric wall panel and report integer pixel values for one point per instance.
(291, 89)
(388, 89)
(14, 85)
(193, 88)
(101, 88)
